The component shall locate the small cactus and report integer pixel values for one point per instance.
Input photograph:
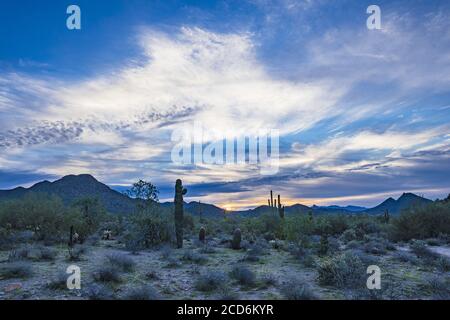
(236, 242)
(202, 234)
(179, 215)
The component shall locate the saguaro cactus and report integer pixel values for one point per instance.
(179, 192)
(271, 198)
(202, 234)
(386, 216)
(71, 237)
(236, 242)
(280, 208)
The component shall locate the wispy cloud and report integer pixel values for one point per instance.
(346, 115)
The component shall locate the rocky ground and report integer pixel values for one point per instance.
(269, 270)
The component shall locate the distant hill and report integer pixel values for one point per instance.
(199, 208)
(346, 208)
(405, 201)
(74, 187)
(288, 210)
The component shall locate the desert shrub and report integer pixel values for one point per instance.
(59, 282)
(227, 294)
(406, 257)
(324, 245)
(331, 225)
(166, 252)
(151, 275)
(76, 252)
(37, 253)
(98, 292)
(349, 235)
(146, 292)
(298, 227)
(92, 214)
(442, 264)
(302, 255)
(121, 261)
(7, 239)
(375, 247)
(93, 240)
(438, 286)
(207, 249)
(45, 217)
(420, 249)
(18, 269)
(172, 262)
(19, 254)
(298, 251)
(152, 228)
(422, 222)
(354, 244)
(268, 280)
(267, 223)
(194, 257)
(106, 274)
(295, 289)
(46, 253)
(243, 275)
(433, 242)
(342, 271)
(366, 259)
(188, 222)
(254, 253)
(210, 281)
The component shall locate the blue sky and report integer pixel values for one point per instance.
(363, 114)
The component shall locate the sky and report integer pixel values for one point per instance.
(362, 114)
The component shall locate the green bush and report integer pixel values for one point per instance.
(243, 275)
(145, 292)
(106, 274)
(194, 257)
(150, 228)
(422, 222)
(342, 271)
(19, 269)
(295, 289)
(121, 262)
(210, 281)
(47, 219)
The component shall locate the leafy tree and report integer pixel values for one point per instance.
(144, 191)
(92, 213)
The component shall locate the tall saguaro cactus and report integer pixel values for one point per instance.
(386, 216)
(179, 192)
(271, 198)
(275, 204)
(280, 208)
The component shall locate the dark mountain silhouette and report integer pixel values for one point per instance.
(346, 208)
(288, 210)
(199, 208)
(73, 187)
(405, 201)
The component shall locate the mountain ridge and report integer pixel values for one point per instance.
(72, 187)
